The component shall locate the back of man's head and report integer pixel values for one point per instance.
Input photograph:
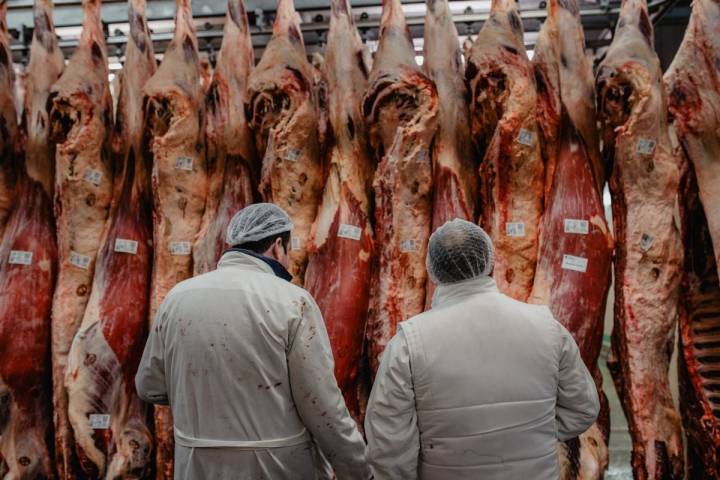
(459, 250)
(257, 226)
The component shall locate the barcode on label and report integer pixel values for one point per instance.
(571, 262)
(293, 154)
(20, 257)
(123, 245)
(646, 242)
(180, 248)
(79, 260)
(93, 176)
(515, 229)
(577, 226)
(525, 137)
(349, 231)
(408, 245)
(184, 163)
(294, 243)
(646, 146)
(99, 421)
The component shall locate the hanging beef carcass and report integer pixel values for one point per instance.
(8, 121)
(175, 118)
(28, 267)
(80, 125)
(575, 248)
(341, 251)
(693, 86)
(503, 120)
(454, 168)
(110, 423)
(400, 109)
(232, 163)
(283, 114)
(644, 185)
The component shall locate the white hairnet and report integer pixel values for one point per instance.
(459, 250)
(256, 222)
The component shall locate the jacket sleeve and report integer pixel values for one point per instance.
(150, 377)
(318, 399)
(391, 418)
(577, 399)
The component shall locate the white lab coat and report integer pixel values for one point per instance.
(479, 387)
(244, 360)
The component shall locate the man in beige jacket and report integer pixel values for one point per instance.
(479, 387)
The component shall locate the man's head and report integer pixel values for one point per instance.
(459, 250)
(263, 228)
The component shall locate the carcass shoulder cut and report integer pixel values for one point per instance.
(8, 121)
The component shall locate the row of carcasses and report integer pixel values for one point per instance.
(367, 162)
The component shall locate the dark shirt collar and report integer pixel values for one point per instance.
(276, 266)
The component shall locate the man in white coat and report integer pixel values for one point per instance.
(242, 357)
(479, 387)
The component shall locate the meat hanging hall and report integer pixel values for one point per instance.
(243, 212)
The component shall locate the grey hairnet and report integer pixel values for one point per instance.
(256, 222)
(459, 250)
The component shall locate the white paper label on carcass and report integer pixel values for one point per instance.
(526, 137)
(93, 176)
(571, 262)
(573, 225)
(180, 248)
(184, 163)
(515, 229)
(646, 146)
(79, 260)
(408, 245)
(99, 421)
(293, 154)
(124, 245)
(20, 257)
(646, 242)
(294, 243)
(349, 231)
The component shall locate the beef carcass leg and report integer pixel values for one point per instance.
(648, 255)
(28, 269)
(110, 423)
(693, 86)
(8, 121)
(283, 114)
(341, 251)
(80, 123)
(400, 109)
(232, 161)
(503, 120)
(454, 168)
(174, 116)
(573, 222)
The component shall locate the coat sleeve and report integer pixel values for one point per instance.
(391, 418)
(150, 378)
(577, 399)
(318, 399)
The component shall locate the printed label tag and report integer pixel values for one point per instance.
(93, 176)
(646, 146)
(124, 245)
(99, 421)
(349, 231)
(526, 137)
(294, 243)
(571, 262)
(79, 260)
(184, 163)
(20, 257)
(180, 248)
(408, 245)
(515, 229)
(646, 242)
(293, 154)
(573, 225)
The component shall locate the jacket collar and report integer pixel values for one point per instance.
(450, 294)
(237, 257)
